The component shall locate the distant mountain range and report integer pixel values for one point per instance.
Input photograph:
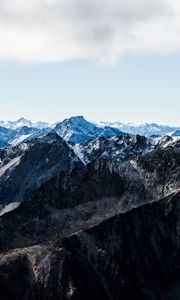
(146, 129)
(77, 130)
(23, 122)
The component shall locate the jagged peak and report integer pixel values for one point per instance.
(75, 120)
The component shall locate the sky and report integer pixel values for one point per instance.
(108, 60)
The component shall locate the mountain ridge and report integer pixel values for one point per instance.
(77, 129)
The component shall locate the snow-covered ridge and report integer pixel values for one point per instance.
(145, 129)
(23, 122)
(77, 130)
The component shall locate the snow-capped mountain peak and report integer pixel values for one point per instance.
(78, 130)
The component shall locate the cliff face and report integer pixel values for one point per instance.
(134, 255)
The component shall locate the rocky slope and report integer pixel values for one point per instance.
(25, 167)
(135, 255)
(117, 148)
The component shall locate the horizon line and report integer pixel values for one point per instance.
(97, 122)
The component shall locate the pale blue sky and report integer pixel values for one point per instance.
(108, 60)
(136, 89)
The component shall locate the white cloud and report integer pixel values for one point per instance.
(93, 30)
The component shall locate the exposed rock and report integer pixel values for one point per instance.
(23, 170)
(135, 255)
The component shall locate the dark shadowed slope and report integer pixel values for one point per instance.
(135, 255)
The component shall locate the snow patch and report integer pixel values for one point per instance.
(13, 163)
(9, 207)
(79, 154)
(19, 139)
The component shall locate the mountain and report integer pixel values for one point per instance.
(25, 134)
(23, 122)
(146, 129)
(13, 137)
(176, 133)
(25, 167)
(78, 130)
(6, 135)
(117, 148)
(75, 129)
(97, 218)
(21, 166)
(69, 195)
(168, 141)
(132, 255)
